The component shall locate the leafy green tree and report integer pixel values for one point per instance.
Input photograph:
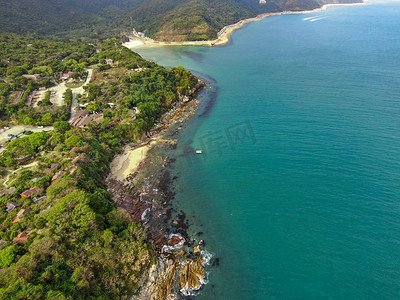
(68, 97)
(46, 100)
(38, 139)
(47, 119)
(4, 88)
(73, 141)
(55, 295)
(7, 256)
(62, 126)
(107, 237)
(29, 121)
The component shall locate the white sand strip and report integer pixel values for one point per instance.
(127, 162)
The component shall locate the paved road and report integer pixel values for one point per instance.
(18, 129)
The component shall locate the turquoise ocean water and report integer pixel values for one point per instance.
(298, 192)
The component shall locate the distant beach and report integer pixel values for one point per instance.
(127, 162)
(223, 35)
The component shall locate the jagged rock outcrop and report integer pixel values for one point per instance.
(158, 284)
(191, 274)
(171, 274)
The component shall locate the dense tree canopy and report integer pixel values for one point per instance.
(77, 244)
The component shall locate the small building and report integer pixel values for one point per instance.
(74, 149)
(36, 200)
(36, 179)
(21, 238)
(80, 114)
(33, 77)
(32, 96)
(8, 191)
(43, 210)
(57, 175)
(30, 192)
(15, 220)
(109, 61)
(51, 169)
(97, 118)
(10, 206)
(23, 212)
(67, 75)
(263, 2)
(20, 215)
(83, 118)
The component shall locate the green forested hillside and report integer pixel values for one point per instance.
(67, 239)
(160, 19)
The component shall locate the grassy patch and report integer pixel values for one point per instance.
(73, 85)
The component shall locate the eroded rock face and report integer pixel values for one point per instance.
(177, 264)
(159, 282)
(191, 274)
(165, 281)
(172, 276)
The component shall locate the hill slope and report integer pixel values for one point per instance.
(160, 19)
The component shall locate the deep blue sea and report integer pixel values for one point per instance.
(298, 190)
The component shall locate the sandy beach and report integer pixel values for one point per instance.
(134, 42)
(224, 33)
(126, 163)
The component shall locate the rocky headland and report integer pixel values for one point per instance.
(179, 261)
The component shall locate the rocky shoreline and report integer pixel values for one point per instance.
(147, 194)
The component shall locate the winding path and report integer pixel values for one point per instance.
(19, 169)
(79, 90)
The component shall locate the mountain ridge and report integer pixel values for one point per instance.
(174, 20)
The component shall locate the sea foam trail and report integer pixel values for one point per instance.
(313, 20)
(305, 19)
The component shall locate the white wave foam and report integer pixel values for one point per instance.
(309, 18)
(171, 297)
(143, 217)
(313, 20)
(186, 291)
(167, 248)
(203, 281)
(206, 257)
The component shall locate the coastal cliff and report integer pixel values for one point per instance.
(146, 192)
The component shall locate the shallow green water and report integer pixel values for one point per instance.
(299, 192)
